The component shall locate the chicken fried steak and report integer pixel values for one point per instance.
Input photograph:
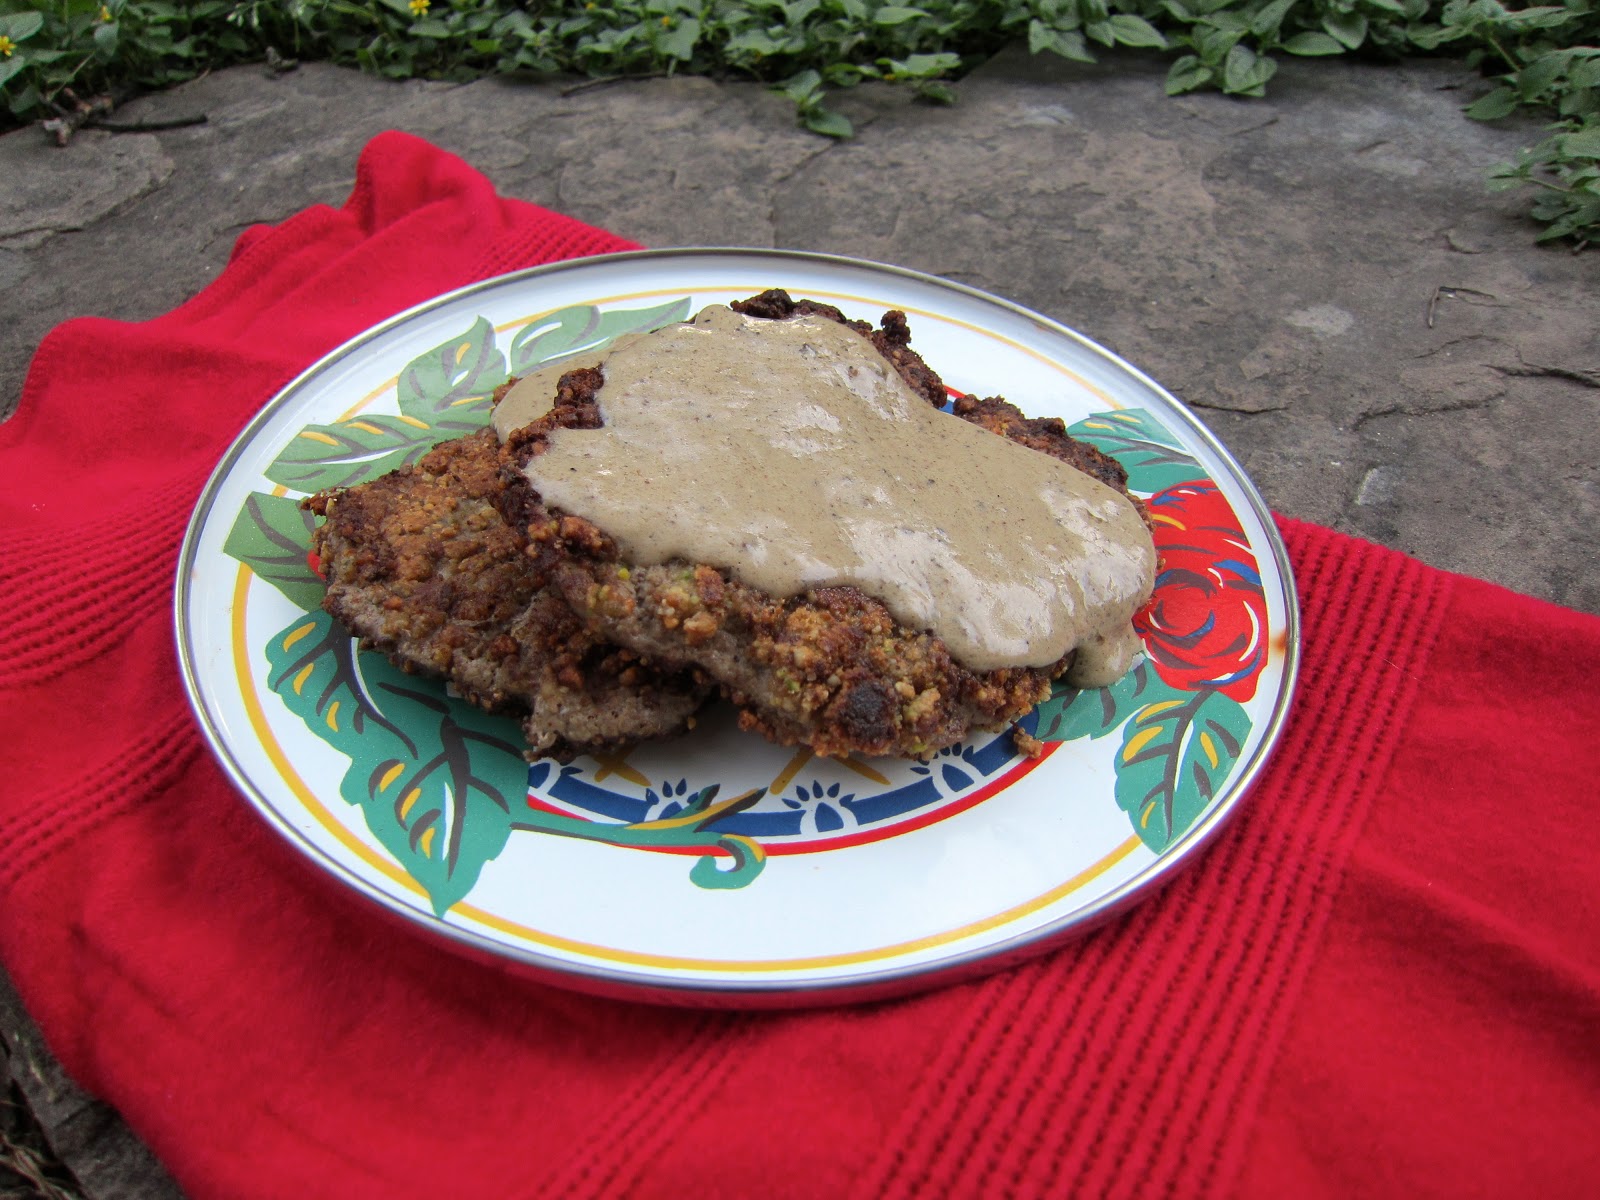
(829, 666)
(420, 565)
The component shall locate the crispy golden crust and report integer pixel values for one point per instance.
(1048, 435)
(830, 669)
(420, 565)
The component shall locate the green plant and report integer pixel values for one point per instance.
(1543, 59)
(95, 46)
(1566, 169)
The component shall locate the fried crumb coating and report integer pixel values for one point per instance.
(421, 566)
(829, 669)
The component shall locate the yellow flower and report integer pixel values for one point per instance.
(6, 45)
(419, 8)
(105, 14)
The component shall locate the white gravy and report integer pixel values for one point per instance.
(793, 455)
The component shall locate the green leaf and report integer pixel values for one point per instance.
(919, 66)
(1186, 74)
(25, 98)
(1537, 76)
(439, 783)
(1545, 16)
(1349, 29)
(894, 14)
(1237, 67)
(584, 327)
(1068, 43)
(827, 122)
(1311, 43)
(456, 374)
(1070, 714)
(363, 447)
(679, 42)
(753, 42)
(1176, 755)
(10, 67)
(802, 87)
(272, 536)
(1585, 73)
(1228, 22)
(431, 27)
(1213, 45)
(20, 26)
(1501, 102)
(1245, 73)
(1153, 458)
(1270, 17)
(1583, 144)
(1136, 31)
(1430, 37)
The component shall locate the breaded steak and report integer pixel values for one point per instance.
(420, 565)
(829, 668)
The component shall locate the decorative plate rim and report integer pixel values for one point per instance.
(861, 985)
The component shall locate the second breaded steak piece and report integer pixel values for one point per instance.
(829, 668)
(421, 566)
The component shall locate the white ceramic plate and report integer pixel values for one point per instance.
(718, 869)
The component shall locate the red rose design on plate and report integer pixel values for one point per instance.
(1206, 623)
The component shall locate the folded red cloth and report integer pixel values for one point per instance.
(1382, 980)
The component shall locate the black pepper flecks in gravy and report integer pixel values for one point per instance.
(792, 454)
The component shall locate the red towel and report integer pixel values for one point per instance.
(1382, 980)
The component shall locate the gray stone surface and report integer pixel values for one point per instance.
(1322, 276)
(107, 1160)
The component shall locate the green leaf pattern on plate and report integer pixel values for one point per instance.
(1070, 714)
(272, 536)
(1153, 457)
(695, 828)
(362, 448)
(461, 373)
(1178, 747)
(437, 780)
(1175, 755)
(585, 327)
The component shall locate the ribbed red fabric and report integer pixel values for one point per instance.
(1382, 980)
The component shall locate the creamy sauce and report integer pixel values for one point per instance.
(792, 454)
